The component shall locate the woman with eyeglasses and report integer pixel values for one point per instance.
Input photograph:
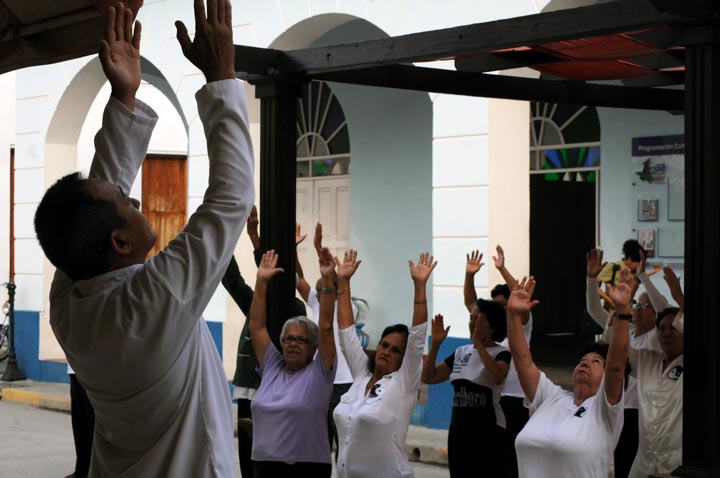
(372, 418)
(289, 409)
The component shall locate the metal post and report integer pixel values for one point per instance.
(278, 99)
(701, 416)
(12, 372)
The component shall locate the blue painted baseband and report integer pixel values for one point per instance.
(440, 396)
(27, 348)
(436, 414)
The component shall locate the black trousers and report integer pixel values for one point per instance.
(627, 446)
(279, 469)
(244, 440)
(82, 416)
(516, 416)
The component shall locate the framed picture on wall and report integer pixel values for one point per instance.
(648, 210)
(646, 238)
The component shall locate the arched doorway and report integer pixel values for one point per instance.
(564, 191)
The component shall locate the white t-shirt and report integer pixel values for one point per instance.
(512, 382)
(343, 374)
(562, 440)
(466, 366)
(372, 427)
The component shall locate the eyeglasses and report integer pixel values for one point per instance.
(641, 306)
(298, 340)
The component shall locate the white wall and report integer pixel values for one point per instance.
(458, 137)
(617, 204)
(7, 140)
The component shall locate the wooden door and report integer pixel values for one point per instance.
(327, 201)
(164, 196)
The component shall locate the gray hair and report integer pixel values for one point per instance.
(310, 326)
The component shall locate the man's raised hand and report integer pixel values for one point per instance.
(120, 54)
(212, 49)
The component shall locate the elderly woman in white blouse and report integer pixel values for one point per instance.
(373, 416)
(571, 434)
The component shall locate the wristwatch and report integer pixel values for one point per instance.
(624, 316)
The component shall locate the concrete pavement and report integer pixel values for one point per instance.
(423, 445)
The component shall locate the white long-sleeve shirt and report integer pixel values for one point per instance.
(135, 336)
(660, 392)
(372, 427)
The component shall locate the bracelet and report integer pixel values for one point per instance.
(420, 302)
(328, 290)
(624, 316)
(341, 291)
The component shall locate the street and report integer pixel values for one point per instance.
(37, 443)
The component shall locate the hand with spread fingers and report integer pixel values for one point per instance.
(595, 262)
(621, 293)
(474, 262)
(268, 267)
(120, 54)
(348, 266)
(212, 49)
(420, 273)
(521, 301)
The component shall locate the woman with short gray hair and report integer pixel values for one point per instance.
(290, 435)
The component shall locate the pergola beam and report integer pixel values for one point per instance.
(584, 22)
(508, 87)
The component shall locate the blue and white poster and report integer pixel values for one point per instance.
(658, 181)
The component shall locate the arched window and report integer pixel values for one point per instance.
(323, 143)
(564, 139)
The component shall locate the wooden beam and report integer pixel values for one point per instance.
(504, 61)
(584, 22)
(495, 86)
(660, 78)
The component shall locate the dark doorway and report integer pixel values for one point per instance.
(562, 230)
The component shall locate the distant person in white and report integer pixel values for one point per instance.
(132, 328)
(570, 435)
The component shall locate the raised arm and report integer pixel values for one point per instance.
(420, 275)
(499, 261)
(258, 309)
(345, 270)
(595, 264)
(202, 250)
(302, 284)
(519, 306)
(617, 356)
(432, 373)
(472, 266)
(122, 142)
(673, 282)
(326, 337)
(657, 300)
(236, 286)
(497, 369)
